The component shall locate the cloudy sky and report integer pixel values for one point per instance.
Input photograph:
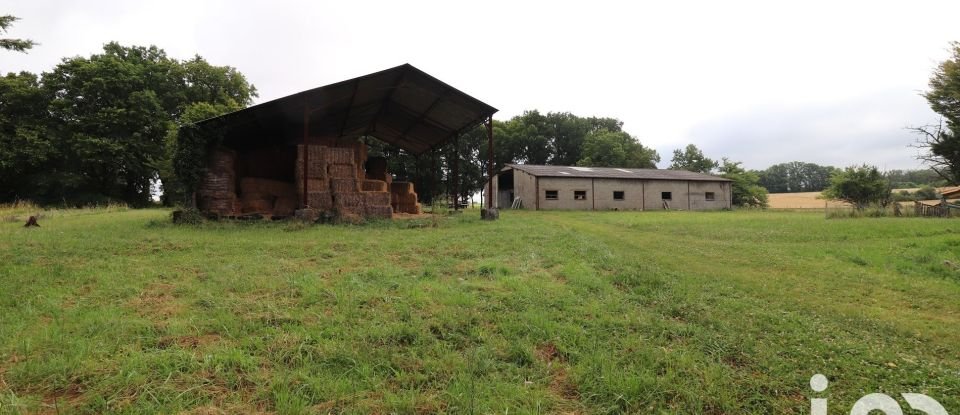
(831, 82)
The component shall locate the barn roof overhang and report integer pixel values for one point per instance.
(402, 106)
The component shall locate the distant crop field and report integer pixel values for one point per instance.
(810, 200)
(119, 311)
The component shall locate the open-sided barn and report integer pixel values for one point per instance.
(604, 188)
(306, 151)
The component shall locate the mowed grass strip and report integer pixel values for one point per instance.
(540, 312)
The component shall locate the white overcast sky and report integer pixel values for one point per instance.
(765, 82)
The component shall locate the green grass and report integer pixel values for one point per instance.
(541, 312)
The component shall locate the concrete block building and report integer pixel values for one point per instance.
(604, 188)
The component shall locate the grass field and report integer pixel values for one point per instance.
(541, 312)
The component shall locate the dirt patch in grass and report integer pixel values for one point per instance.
(156, 300)
(189, 342)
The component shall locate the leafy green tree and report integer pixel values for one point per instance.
(796, 176)
(606, 148)
(692, 159)
(18, 45)
(30, 158)
(99, 128)
(941, 144)
(746, 188)
(860, 186)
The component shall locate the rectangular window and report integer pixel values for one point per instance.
(666, 195)
(618, 195)
(579, 195)
(710, 196)
(552, 194)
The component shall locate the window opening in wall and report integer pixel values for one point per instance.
(552, 194)
(666, 195)
(618, 195)
(579, 195)
(710, 196)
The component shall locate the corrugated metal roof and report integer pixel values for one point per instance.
(403, 106)
(950, 192)
(613, 173)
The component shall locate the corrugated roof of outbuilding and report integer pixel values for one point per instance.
(613, 173)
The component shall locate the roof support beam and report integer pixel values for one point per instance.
(386, 99)
(426, 112)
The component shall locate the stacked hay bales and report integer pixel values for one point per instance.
(267, 197)
(404, 199)
(335, 182)
(216, 192)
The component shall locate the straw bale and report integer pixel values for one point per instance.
(376, 198)
(379, 212)
(348, 201)
(340, 185)
(338, 155)
(401, 187)
(220, 205)
(313, 185)
(374, 186)
(321, 200)
(342, 170)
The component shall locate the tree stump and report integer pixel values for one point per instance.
(32, 221)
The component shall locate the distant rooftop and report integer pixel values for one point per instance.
(613, 173)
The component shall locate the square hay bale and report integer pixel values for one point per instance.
(350, 202)
(339, 155)
(276, 188)
(344, 185)
(342, 170)
(313, 185)
(376, 198)
(401, 187)
(354, 218)
(378, 212)
(317, 161)
(406, 198)
(375, 186)
(322, 200)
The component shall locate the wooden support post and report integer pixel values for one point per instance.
(490, 162)
(306, 153)
(456, 173)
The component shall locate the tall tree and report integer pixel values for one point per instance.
(96, 129)
(941, 144)
(692, 159)
(18, 45)
(30, 158)
(606, 148)
(746, 188)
